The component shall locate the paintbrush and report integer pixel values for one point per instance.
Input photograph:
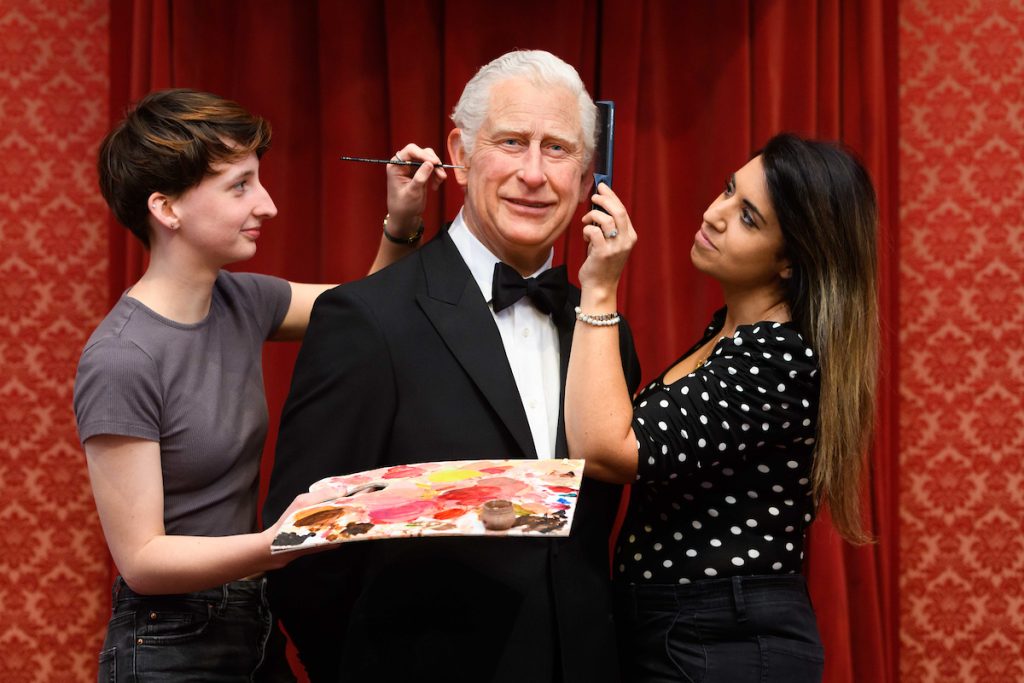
(395, 162)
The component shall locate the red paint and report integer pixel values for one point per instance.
(472, 496)
(450, 514)
(485, 490)
(403, 512)
(495, 470)
(402, 472)
(561, 489)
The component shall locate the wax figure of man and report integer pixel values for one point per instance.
(423, 362)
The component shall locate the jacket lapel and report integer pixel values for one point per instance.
(457, 310)
(565, 322)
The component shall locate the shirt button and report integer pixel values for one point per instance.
(152, 616)
(526, 331)
(533, 405)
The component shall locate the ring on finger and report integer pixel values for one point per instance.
(613, 234)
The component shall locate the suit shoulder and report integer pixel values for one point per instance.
(389, 283)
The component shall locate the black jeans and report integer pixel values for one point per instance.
(750, 628)
(221, 634)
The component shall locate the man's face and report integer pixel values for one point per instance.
(526, 174)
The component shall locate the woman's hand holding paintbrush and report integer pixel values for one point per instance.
(408, 182)
(410, 172)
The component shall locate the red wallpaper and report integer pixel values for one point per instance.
(962, 300)
(53, 274)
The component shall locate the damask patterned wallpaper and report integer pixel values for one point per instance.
(54, 578)
(962, 340)
(962, 323)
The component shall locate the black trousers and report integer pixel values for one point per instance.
(220, 634)
(732, 630)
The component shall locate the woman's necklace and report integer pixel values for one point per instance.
(679, 371)
(704, 358)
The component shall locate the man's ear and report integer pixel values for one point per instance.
(458, 155)
(161, 207)
(787, 270)
(587, 186)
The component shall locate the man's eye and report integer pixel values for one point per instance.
(239, 186)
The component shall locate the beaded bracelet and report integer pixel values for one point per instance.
(599, 320)
(412, 239)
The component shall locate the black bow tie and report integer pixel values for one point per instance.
(547, 291)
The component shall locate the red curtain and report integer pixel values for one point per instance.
(697, 86)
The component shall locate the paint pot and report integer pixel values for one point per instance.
(498, 515)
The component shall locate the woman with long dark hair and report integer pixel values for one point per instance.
(734, 446)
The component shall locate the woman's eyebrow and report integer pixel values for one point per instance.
(750, 205)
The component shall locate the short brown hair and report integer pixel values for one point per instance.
(168, 142)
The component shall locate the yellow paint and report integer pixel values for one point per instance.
(445, 476)
(521, 510)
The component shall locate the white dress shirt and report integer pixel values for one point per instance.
(530, 339)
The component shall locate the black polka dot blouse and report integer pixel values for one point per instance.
(723, 481)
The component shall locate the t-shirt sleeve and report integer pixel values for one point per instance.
(759, 390)
(268, 298)
(117, 391)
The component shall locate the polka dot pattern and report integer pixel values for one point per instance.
(723, 482)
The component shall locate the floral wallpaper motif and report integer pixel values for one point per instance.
(961, 331)
(54, 567)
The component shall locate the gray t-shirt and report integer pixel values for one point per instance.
(197, 390)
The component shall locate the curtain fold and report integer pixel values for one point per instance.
(698, 86)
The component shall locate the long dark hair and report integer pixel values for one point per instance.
(826, 207)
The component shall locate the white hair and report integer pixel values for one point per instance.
(540, 68)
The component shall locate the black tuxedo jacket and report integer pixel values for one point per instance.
(408, 366)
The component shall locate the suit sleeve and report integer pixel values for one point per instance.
(336, 420)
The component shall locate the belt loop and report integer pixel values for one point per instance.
(224, 597)
(737, 596)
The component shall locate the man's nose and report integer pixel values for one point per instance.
(532, 170)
